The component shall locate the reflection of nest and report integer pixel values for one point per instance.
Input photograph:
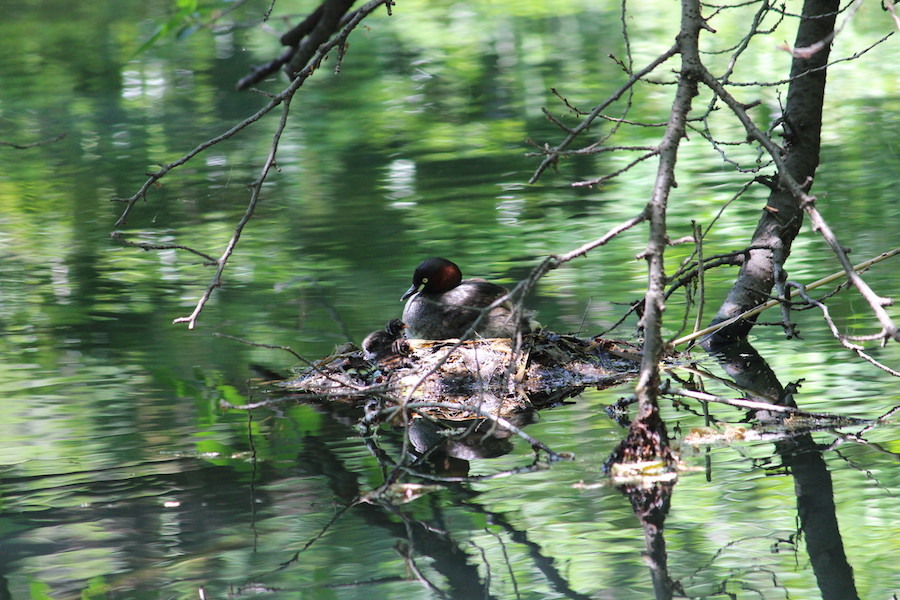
(491, 374)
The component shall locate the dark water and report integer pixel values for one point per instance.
(122, 476)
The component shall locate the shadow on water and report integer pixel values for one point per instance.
(801, 458)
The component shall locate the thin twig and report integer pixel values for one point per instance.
(809, 72)
(766, 406)
(275, 100)
(845, 342)
(255, 191)
(553, 154)
(809, 51)
(797, 189)
(117, 235)
(767, 305)
(282, 98)
(590, 183)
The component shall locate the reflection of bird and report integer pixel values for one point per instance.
(441, 304)
(386, 345)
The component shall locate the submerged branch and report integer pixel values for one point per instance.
(756, 405)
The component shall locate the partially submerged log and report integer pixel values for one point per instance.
(494, 375)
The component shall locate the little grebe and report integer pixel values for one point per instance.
(442, 305)
(386, 346)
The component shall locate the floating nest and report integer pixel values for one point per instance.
(462, 379)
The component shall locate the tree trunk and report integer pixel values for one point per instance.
(783, 215)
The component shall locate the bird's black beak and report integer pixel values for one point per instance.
(412, 290)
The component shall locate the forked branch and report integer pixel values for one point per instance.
(282, 98)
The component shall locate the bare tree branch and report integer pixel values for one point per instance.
(275, 101)
(647, 388)
(255, 191)
(553, 154)
(845, 342)
(767, 305)
(807, 203)
(284, 97)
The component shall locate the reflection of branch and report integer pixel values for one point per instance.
(350, 394)
(533, 467)
(547, 565)
(857, 438)
(388, 413)
(409, 559)
(33, 144)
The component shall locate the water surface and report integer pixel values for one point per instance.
(122, 475)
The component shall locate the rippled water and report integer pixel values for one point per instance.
(122, 475)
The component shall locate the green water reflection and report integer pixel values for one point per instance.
(120, 474)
